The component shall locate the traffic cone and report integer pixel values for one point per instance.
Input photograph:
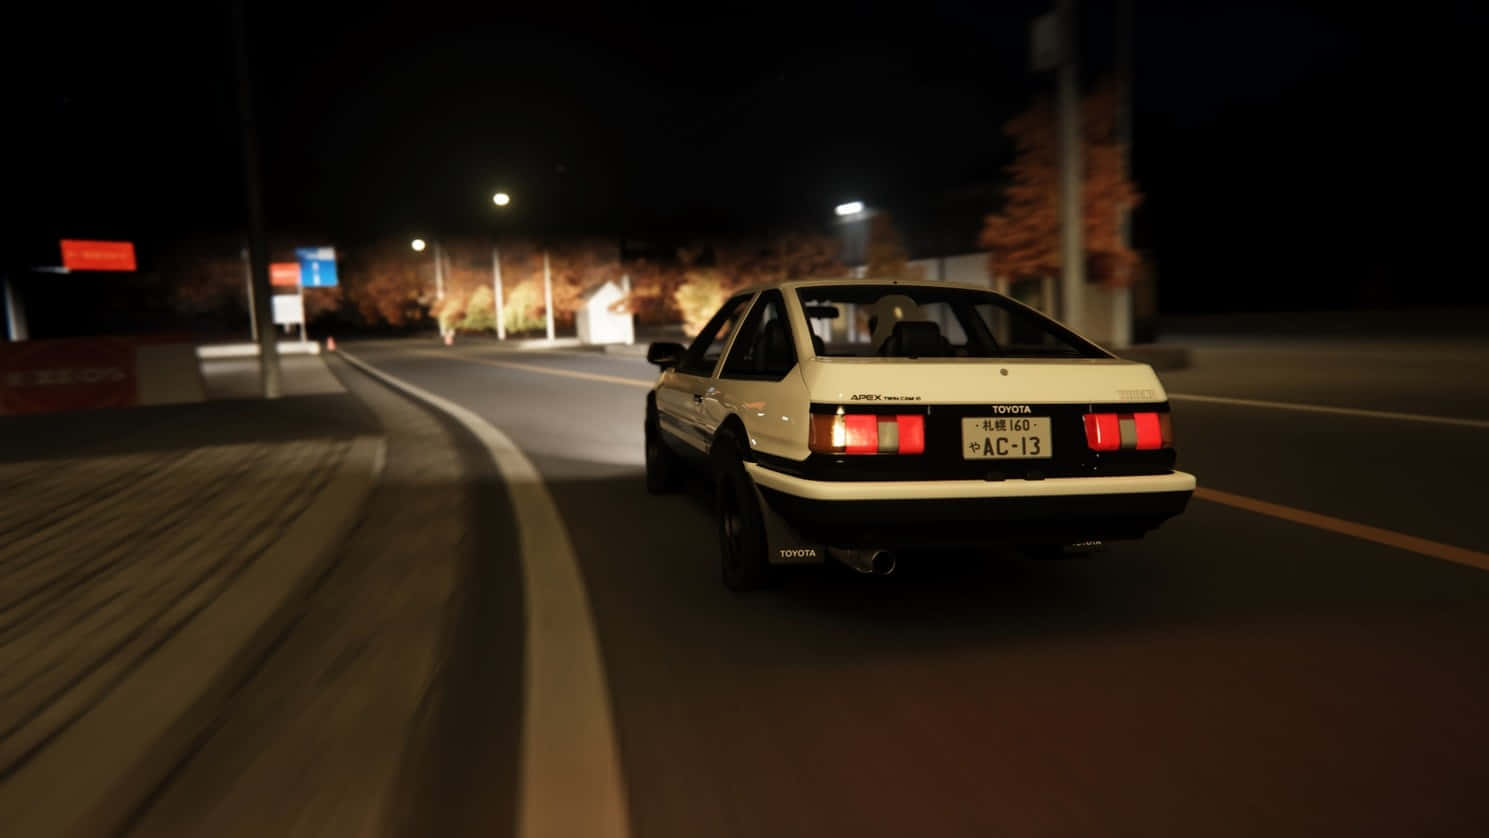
(330, 344)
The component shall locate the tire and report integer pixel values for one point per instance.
(740, 524)
(663, 471)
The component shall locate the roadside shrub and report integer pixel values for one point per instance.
(698, 298)
(480, 311)
(450, 310)
(523, 308)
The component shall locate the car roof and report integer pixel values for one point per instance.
(793, 284)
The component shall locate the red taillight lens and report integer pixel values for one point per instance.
(1128, 431)
(861, 434)
(1102, 432)
(867, 433)
(1149, 437)
(912, 434)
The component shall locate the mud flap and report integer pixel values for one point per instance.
(784, 545)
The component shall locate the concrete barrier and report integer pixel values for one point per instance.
(251, 350)
(47, 376)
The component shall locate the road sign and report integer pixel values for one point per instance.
(289, 309)
(284, 274)
(317, 266)
(80, 255)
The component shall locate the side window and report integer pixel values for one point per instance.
(709, 345)
(764, 348)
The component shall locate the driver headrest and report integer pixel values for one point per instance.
(918, 338)
(889, 310)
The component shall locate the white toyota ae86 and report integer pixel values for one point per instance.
(852, 419)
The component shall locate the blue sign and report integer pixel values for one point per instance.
(317, 266)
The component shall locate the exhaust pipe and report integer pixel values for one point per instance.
(871, 562)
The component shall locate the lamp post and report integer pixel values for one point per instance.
(854, 216)
(501, 200)
(418, 245)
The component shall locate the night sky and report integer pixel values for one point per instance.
(1291, 157)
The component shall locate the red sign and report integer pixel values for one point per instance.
(42, 376)
(284, 273)
(78, 255)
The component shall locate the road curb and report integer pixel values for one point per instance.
(98, 771)
(570, 779)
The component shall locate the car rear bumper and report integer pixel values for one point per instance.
(903, 514)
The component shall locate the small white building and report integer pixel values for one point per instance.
(603, 317)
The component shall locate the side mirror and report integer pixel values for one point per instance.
(664, 354)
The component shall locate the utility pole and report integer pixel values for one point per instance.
(1122, 293)
(1072, 248)
(15, 316)
(253, 318)
(257, 248)
(439, 271)
(548, 294)
(496, 291)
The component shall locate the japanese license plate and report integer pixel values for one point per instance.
(1006, 438)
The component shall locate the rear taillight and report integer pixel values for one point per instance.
(867, 433)
(1129, 431)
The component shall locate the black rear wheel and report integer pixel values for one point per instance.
(741, 526)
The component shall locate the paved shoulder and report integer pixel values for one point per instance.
(391, 707)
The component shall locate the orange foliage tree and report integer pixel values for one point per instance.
(711, 272)
(886, 257)
(1025, 237)
(388, 283)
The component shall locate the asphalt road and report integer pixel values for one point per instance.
(1233, 674)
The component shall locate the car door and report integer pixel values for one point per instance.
(681, 392)
(757, 384)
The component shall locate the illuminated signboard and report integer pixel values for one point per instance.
(285, 273)
(80, 255)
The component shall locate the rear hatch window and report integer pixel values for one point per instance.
(920, 321)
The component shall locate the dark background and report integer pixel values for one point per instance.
(1291, 157)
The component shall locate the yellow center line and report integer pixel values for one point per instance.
(517, 365)
(1390, 538)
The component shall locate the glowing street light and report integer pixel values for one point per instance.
(418, 245)
(850, 208)
(501, 199)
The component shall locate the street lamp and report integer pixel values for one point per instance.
(501, 199)
(854, 217)
(419, 245)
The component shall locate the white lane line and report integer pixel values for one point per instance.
(1341, 411)
(1365, 532)
(569, 775)
(518, 365)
